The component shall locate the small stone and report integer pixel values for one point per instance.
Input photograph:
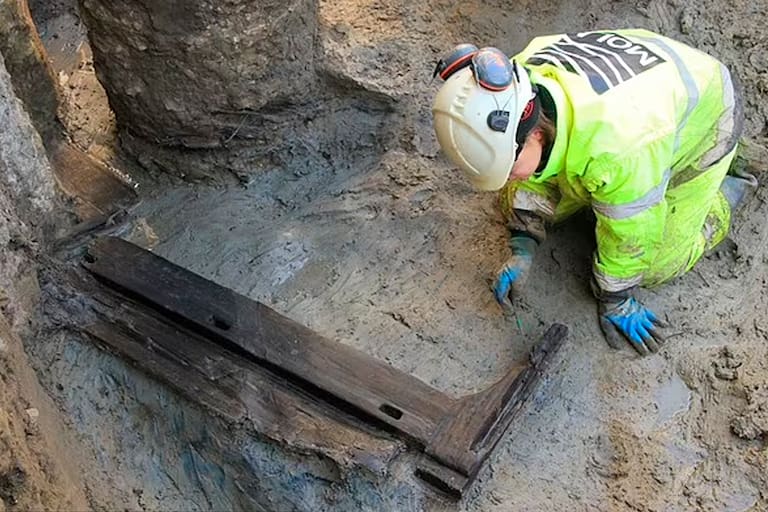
(31, 425)
(726, 373)
(663, 474)
(342, 29)
(687, 22)
(728, 364)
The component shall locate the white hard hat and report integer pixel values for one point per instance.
(476, 120)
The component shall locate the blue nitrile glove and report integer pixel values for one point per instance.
(634, 321)
(514, 272)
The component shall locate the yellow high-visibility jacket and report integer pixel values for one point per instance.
(646, 130)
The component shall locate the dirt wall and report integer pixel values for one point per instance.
(38, 465)
(27, 198)
(247, 88)
(37, 468)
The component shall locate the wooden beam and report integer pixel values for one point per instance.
(229, 386)
(456, 435)
(258, 332)
(477, 422)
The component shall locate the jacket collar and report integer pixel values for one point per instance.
(556, 161)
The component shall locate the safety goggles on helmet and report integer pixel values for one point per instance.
(491, 67)
(483, 112)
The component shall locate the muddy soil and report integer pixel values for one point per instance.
(358, 229)
(38, 458)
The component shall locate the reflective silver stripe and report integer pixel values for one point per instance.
(727, 132)
(615, 284)
(626, 210)
(536, 203)
(688, 81)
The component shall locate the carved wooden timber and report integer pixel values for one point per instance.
(455, 435)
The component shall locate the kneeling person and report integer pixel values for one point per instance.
(638, 127)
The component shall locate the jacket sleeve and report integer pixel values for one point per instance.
(529, 206)
(628, 199)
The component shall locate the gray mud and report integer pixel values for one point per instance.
(357, 229)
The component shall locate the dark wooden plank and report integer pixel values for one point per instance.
(399, 400)
(77, 236)
(456, 435)
(235, 389)
(96, 189)
(478, 421)
(448, 481)
(173, 371)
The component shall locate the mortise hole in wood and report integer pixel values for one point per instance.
(220, 324)
(393, 412)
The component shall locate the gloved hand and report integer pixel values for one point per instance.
(634, 321)
(514, 272)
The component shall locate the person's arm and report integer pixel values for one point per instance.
(628, 199)
(527, 206)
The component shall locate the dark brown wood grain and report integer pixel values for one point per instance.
(229, 386)
(456, 435)
(478, 421)
(258, 331)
